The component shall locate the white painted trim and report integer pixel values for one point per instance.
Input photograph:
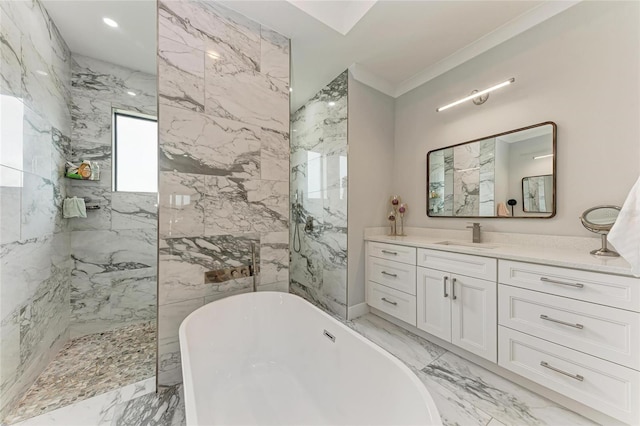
(505, 32)
(358, 310)
(365, 76)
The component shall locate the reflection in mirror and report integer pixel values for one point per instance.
(537, 192)
(478, 178)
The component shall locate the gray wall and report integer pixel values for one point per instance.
(36, 125)
(319, 175)
(224, 155)
(371, 130)
(579, 69)
(114, 249)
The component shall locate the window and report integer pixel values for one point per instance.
(135, 152)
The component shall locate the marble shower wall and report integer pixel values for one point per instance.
(224, 160)
(35, 66)
(319, 178)
(114, 250)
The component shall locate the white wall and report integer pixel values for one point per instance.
(579, 69)
(371, 121)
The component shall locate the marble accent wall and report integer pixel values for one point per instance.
(319, 178)
(224, 157)
(35, 70)
(114, 250)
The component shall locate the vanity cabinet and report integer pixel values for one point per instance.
(576, 332)
(391, 280)
(458, 308)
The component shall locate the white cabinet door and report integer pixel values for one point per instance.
(434, 302)
(474, 316)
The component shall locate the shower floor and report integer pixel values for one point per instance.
(91, 365)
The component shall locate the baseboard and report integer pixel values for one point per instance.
(358, 310)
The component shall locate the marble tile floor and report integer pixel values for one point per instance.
(465, 394)
(91, 365)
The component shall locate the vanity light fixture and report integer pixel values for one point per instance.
(110, 22)
(479, 97)
(542, 156)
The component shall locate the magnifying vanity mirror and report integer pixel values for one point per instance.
(600, 219)
(482, 177)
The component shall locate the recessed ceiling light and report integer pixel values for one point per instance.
(332, 103)
(110, 22)
(131, 93)
(41, 72)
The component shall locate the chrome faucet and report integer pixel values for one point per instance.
(476, 231)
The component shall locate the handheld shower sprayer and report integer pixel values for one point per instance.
(297, 212)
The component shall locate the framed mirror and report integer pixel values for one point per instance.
(537, 194)
(510, 174)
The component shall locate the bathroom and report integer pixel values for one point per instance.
(282, 132)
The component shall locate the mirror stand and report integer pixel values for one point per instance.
(600, 219)
(604, 250)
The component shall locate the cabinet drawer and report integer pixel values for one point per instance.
(399, 276)
(603, 385)
(604, 289)
(393, 302)
(463, 264)
(608, 333)
(392, 252)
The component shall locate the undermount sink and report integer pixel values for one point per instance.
(470, 245)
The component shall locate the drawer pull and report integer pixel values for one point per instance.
(544, 317)
(444, 284)
(453, 289)
(549, 280)
(389, 274)
(557, 370)
(389, 301)
(390, 252)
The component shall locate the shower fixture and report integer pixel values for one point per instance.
(296, 211)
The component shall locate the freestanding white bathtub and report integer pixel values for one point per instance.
(275, 359)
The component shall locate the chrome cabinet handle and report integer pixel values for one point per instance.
(557, 370)
(389, 301)
(389, 274)
(390, 252)
(453, 289)
(549, 280)
(546, 318)
(444, 285)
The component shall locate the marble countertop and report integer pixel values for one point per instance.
(564, 257)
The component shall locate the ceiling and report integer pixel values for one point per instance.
(396, 45)
(393, 46)
(132, 44)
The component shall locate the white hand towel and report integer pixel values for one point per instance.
(74, 207)
(625, 233)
